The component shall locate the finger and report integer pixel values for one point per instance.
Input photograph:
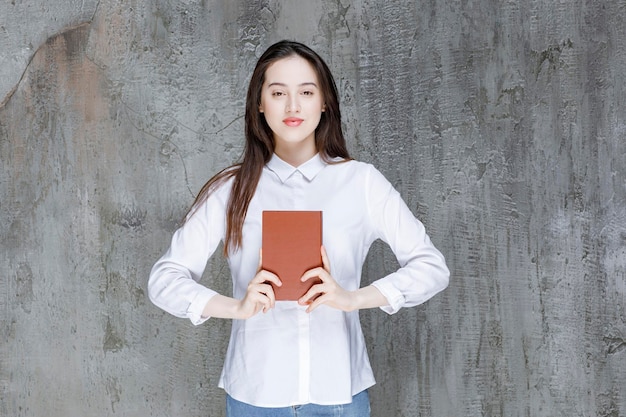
(259, 305)
(268, 291)
(262, 304)
(266, 305)
(267, 276)
(325, 261)
(318, 272)
(263, 296)
(263, 288)
(316, 303)
(312, 294)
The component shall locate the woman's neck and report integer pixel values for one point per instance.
(296, 154)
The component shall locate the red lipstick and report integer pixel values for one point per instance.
(293, 121)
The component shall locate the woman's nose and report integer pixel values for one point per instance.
(293, 105)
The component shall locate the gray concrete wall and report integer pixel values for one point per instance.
(501, 123)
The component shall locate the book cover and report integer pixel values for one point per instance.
(291, 246)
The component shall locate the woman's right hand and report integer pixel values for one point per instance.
(260, 294)
(259, 297)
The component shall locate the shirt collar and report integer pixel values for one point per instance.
(283, 170)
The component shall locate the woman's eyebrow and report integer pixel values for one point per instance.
(279, 84)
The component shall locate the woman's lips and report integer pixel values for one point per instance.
(293, 121)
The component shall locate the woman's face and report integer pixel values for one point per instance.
(292, 104)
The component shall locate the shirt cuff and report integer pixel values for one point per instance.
(392, 294)
(196, 308)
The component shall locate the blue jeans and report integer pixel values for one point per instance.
(359, 407)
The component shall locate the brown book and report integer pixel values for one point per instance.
(291, 246)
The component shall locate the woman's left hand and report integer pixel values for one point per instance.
(328, 291)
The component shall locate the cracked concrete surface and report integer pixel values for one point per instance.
(502, 125)
(20, 40)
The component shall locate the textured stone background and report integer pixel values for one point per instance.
(502, 123)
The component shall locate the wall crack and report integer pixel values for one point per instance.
(62, 32)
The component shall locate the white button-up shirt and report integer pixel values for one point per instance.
(287, 356)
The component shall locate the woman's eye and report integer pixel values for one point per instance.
(277, 93)
(307, 93)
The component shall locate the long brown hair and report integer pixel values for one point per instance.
(259, 146)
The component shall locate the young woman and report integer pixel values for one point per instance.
(304, 357)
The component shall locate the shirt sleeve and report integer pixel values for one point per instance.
(174, 280)
(423, 271)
